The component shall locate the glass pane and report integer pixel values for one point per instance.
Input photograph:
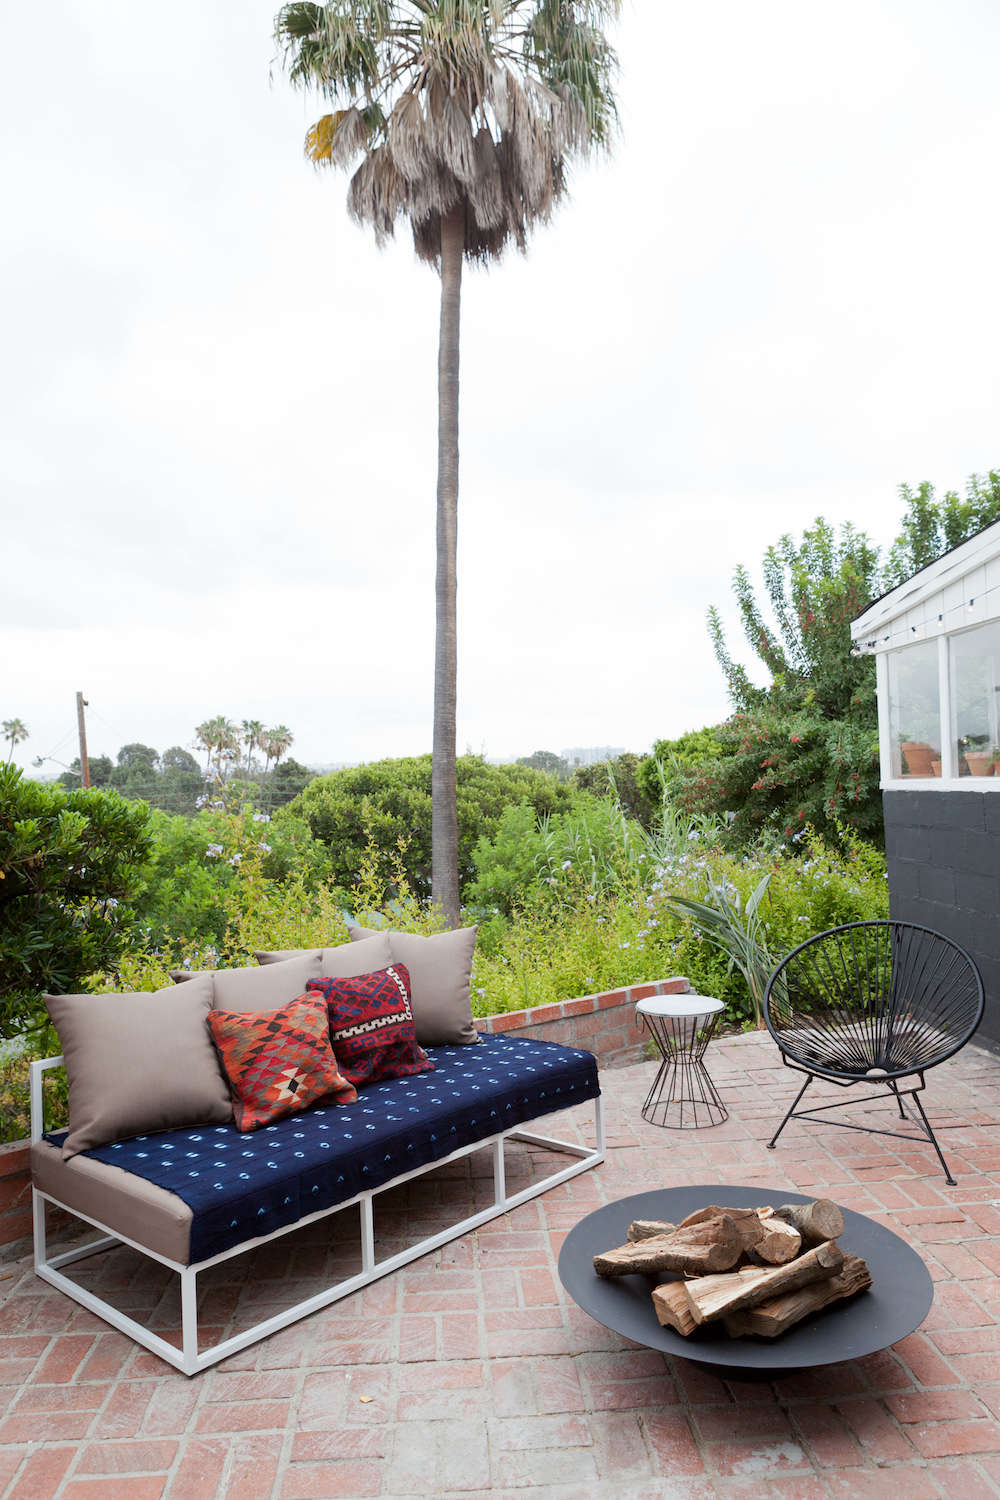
(915, 710)
(975, 656)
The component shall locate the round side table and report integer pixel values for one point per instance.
(682, 1096)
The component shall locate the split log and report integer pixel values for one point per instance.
(817, 1221)
(647, 1229)
(673, 1309)
(779, 1242)
(714, 1297)
(769, 1319)
(745, 1219)
(698, 1250)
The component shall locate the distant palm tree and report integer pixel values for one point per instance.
(16, 731)
(277, 742)
(205, 739)
(252, 731)
(220, 738)
(464, 113)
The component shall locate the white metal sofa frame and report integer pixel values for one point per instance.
(188, 1358)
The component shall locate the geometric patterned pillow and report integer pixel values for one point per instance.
(371, 1025)
(278, 1061)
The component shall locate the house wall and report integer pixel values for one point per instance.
(943, 855)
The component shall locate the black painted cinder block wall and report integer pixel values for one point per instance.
(943, 855)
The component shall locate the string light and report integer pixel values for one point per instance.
(905, 633)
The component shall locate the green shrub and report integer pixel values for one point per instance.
(69, 870)
(195, 862)
(527, 857)
(15, 1110)
(387, 805)
(623, 780)
(581, 942)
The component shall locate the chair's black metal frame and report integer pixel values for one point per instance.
(868, 1003)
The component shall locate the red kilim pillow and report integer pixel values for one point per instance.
(278, 1061)
(371, 1025)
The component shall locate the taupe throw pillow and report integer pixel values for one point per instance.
(346, 961)
(253, 989)
(282, 957)
(440, 971)
(138, 1063)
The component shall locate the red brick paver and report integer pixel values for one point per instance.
(470, 1374)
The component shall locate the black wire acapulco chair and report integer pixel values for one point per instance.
(873, 1003)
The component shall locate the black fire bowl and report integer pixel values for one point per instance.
(895, 1305)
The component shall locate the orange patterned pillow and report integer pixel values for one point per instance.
(278, 1061)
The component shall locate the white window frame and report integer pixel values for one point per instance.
(949, 780)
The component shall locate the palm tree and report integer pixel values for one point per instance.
(205, 738)
(276, 743)
(16, 731)
(252, 731)
(220, 738)
(464, 113)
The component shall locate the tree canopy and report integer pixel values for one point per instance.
(70, 865)
(454, 104)
(387, 803)
(803, 747)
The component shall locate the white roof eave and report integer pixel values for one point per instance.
(953, 565)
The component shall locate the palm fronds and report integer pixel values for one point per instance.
(454, 104)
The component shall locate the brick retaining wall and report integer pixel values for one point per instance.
(605, 1024)
(15, 1199)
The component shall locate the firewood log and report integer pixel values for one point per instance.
(779, 1242)
(714, 1297)
(817, 1221)
(769, 1319)
(673, 1309)
(647, 1229)
(696, 1251)
(745, 1219)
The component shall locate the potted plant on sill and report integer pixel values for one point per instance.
(917, 755)
(978, 758)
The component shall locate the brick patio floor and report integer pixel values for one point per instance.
(469, 1373)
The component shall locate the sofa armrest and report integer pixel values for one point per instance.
(37, 1068)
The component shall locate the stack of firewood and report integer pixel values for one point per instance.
(755, 1270)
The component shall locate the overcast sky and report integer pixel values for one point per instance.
(777, 299)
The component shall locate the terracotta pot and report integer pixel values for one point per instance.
(979, 762)
(918, 757)
(935, 768)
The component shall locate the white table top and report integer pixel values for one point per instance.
(679, 1005)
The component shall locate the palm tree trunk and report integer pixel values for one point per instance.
(444, 805)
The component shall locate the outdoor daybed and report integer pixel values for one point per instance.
(154, 1158)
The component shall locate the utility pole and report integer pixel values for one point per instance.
(81, 704)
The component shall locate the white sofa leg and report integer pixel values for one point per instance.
(599, 1123)
(38, 1226)
(499, 1174)
(367, 1235)
(189, 1320)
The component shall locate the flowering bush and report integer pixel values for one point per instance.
(578, 942)
(195, 864)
